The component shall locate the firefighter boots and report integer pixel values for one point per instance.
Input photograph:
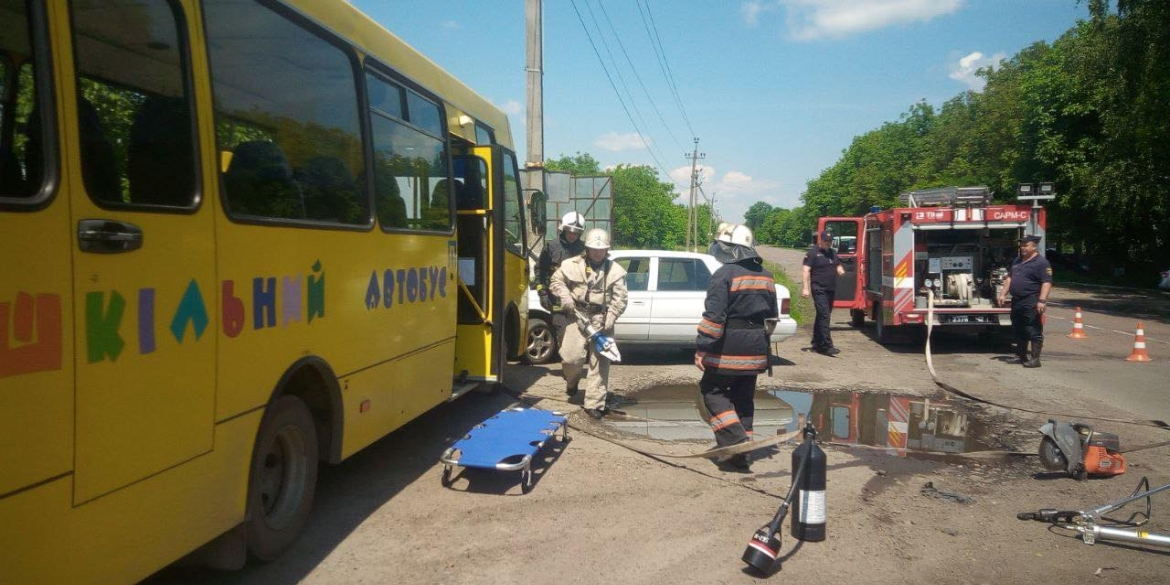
(1037, 346)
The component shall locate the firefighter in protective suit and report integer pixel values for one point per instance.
(592, 289)
(567, 244)
(733, 345)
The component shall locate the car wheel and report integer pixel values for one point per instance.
(542, 341)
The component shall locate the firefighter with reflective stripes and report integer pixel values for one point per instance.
(733, 346)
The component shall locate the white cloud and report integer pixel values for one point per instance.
(615, 142)
(734, 191)
(512, 107)
(450, 25)
(810, 20)
(752, 10)
(964, 70)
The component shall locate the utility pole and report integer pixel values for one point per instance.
(534, 68)
(692, 211)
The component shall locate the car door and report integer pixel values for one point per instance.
(634, 324)
(678, 301)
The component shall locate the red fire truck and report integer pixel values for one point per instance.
(952, 241)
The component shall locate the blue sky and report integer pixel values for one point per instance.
(774, 89)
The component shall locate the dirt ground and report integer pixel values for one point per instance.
(600, 512)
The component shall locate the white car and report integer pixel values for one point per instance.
(667, 295)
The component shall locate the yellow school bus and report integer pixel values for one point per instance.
(237, 238)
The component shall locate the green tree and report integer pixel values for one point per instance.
(756, 215)
(645, 215)
(580, 164)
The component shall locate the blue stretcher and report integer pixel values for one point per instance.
(507, 441)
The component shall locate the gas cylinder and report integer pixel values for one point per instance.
(808, 517)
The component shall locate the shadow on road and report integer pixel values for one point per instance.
(349, 493)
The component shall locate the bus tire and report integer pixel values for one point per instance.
(283, 478)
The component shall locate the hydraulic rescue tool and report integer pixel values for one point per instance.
(604, 344)
(1076, 449)
(808, 522)
(1089, 522)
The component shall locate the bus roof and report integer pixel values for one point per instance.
(372, 38)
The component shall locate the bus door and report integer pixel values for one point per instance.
(145, 294)
(846, 233)
(480, 267)
(36, 333)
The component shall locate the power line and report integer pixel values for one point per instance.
(621, 78)
(636, 75)
(663, 62)
(615, 89)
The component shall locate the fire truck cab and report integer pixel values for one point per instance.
(952, 241)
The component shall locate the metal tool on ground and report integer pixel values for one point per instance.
(763, 550)
(1076, 449)
(1139, 353)
(1078, 330)
(1093, 525)
(604, 344)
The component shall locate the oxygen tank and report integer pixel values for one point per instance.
(808, 518)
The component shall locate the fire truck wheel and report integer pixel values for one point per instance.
(283, 478)
(856, 317)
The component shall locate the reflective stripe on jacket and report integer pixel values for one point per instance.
(731, 337)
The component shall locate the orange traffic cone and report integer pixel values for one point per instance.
(1139, 346)
(1078, 331)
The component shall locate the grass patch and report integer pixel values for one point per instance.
(798, 305)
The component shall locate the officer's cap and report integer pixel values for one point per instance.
(1030, 238)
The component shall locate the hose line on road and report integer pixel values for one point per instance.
(1158, 424)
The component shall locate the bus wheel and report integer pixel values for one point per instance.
(542, 341)
(283, 478)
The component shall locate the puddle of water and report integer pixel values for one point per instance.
(897, 423)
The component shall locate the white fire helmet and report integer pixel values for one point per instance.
(737, 234)
(597, 239)
(573, 221)
(724, 229)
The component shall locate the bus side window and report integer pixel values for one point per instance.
(286, 108)
(409, 157)
(134, 107)
(21, 143)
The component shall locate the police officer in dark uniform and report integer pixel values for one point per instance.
(732, 347)
(821, 269)
(1029, 281)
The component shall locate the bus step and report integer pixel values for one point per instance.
(461, 388)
